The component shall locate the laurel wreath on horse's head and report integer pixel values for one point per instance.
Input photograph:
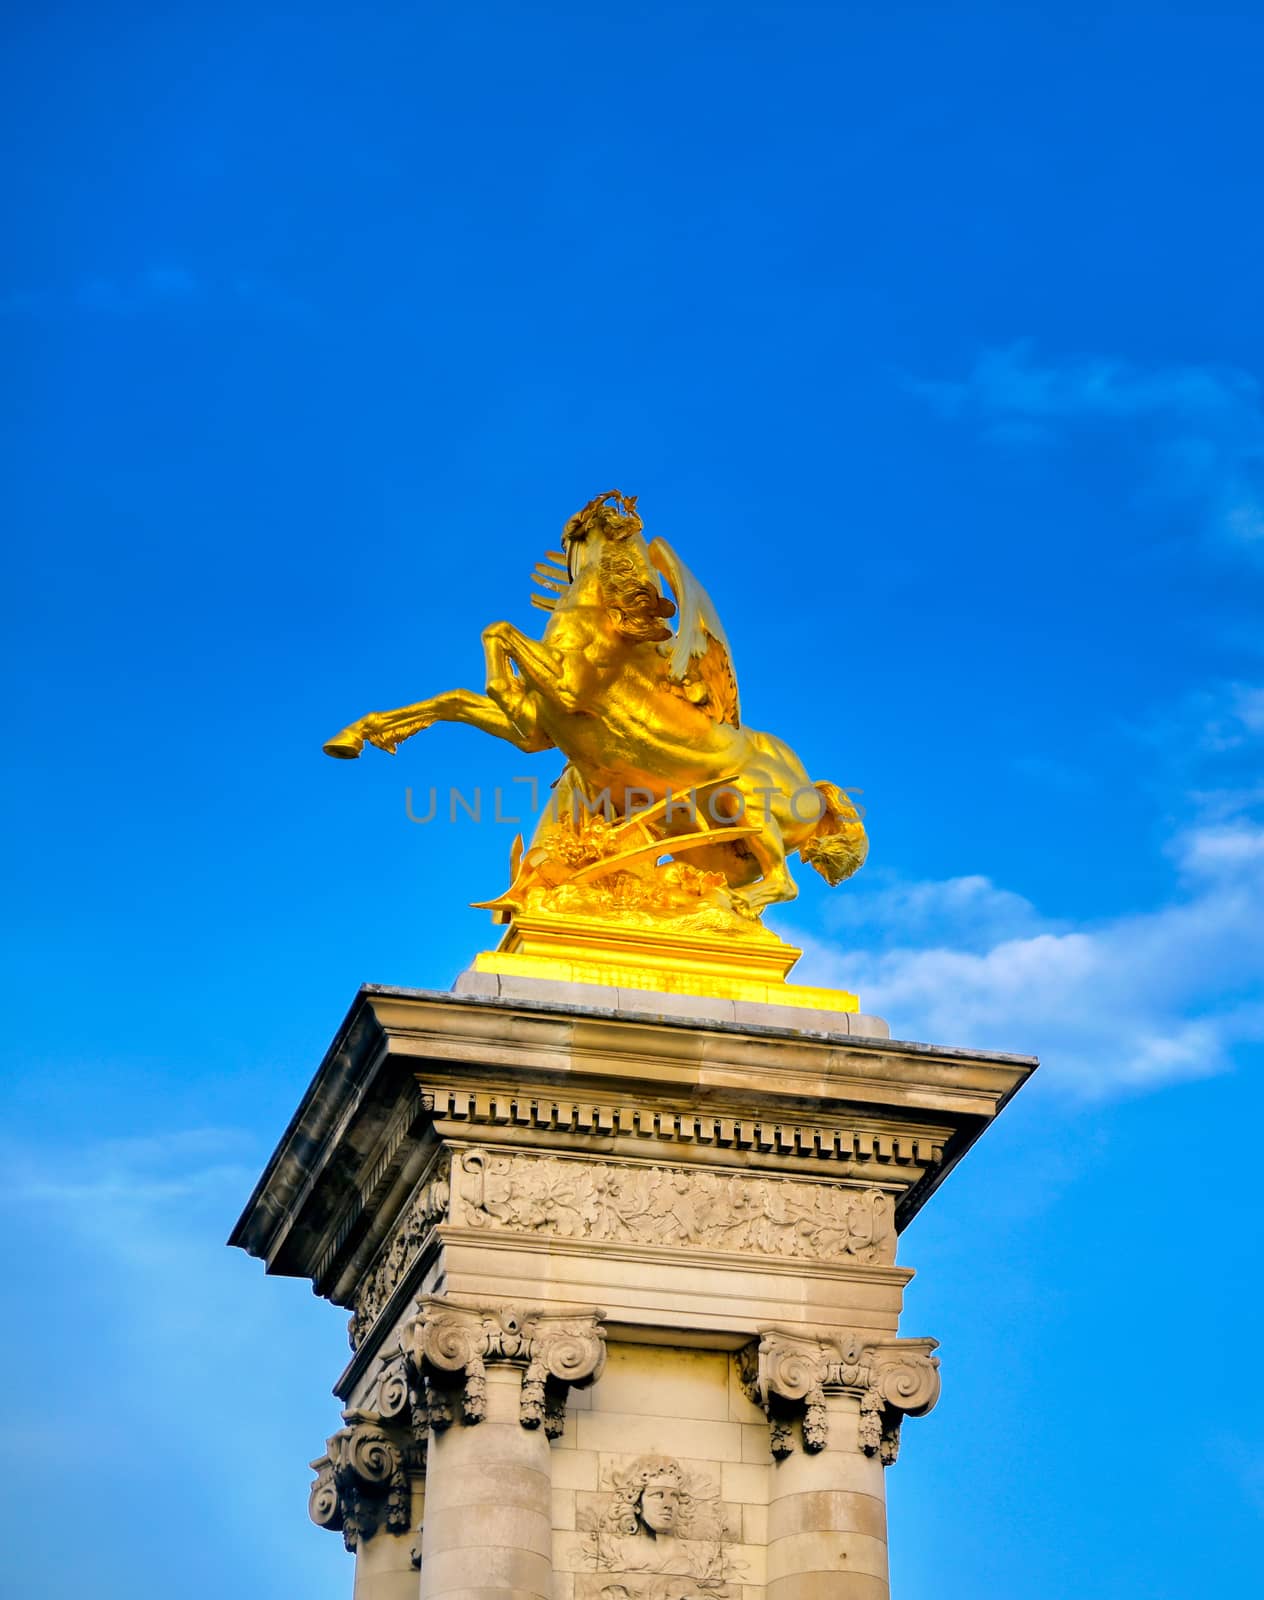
(628, 586)
(615, 514)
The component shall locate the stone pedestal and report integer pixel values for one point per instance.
(622, 1278)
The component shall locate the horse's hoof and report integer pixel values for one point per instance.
(345, 746)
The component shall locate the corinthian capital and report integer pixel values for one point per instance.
(903, 1381)
(361, 1482)
(448, 1344)
(789, 1376)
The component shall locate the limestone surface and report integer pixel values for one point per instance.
(623, 1288)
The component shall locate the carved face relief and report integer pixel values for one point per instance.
(660, 1501)
(658, 1533)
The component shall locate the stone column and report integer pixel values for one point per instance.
(386, 1565)
(489, 1512)
(365, 1488)
(495, 1381)
(841, 1400)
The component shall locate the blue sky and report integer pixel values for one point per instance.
(930, 337)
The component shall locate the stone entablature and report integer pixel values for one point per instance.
(412, 1071)
(429, 1203)
(632, 1203)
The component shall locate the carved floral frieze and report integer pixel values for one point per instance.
(632, 1203)
(428, 1206)
(690, 1207)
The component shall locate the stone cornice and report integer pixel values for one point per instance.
(587, 1079)
(739, 1058)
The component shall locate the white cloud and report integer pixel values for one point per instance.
(971, 908)
(1199, 430)
(1129, 1003)
(1239, 719)
(1222, 721)
(1225, 846)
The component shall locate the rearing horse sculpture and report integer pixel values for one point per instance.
(643, 713)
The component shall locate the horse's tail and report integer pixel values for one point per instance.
(838, 844)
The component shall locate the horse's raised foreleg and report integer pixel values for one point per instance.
(518, 666)
(388, 729)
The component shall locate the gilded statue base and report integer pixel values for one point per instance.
(710, 966)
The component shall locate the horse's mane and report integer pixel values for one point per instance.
(631, 595)
(629, 587)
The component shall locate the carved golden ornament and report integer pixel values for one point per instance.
(671, 819)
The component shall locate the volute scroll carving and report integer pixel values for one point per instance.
(363, 1481)
(789, 1375)
(447, 1347)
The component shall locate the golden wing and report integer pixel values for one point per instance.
(699, 657)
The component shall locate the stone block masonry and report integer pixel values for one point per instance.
(623, 1286)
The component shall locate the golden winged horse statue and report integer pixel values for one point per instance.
(668, 806)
